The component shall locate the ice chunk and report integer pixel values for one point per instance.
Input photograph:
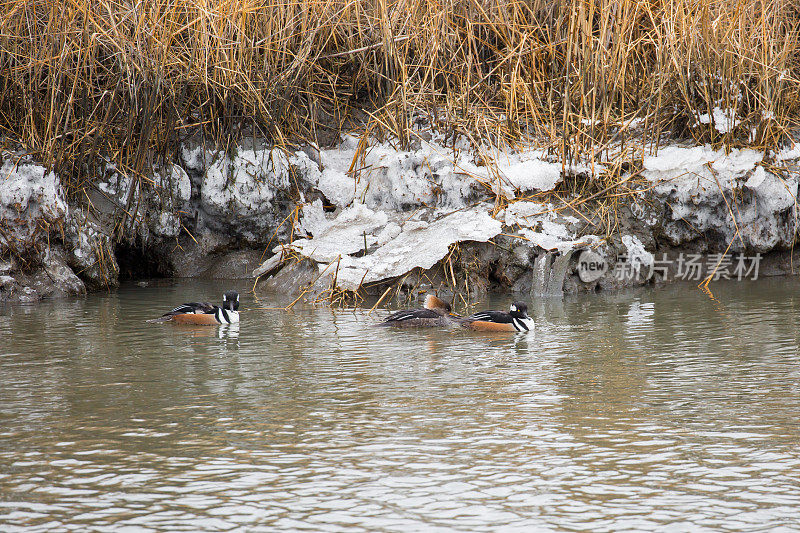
(789, 153)
(553, 243)
(245, 184)
(432, 174)
(313, 220)
(530, 175)
(344, 235)
(418, 245)
(388, 233)
(724, 119)
(695, 175)
(637, 256)
(30, 199)
(685, 164)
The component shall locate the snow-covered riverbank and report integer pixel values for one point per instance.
(364, 214)
(403, 211)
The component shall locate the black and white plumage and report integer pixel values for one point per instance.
(516, 319)
(204, 313)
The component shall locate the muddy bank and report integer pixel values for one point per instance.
(364, 216)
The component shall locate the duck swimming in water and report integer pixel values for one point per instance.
(204, 313)
(435, 313)
(516, 319)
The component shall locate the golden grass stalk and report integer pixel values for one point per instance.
(88, 82)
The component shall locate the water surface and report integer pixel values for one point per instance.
(648, 410)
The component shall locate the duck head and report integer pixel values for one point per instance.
(438, 305)
(519, 310)
(230, 301)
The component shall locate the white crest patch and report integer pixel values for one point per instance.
(513, 308)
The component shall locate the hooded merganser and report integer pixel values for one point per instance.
(435, 313)
(204, 313)
(516, 319)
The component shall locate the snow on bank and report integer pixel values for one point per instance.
(240, 186)
(728, 193)
(244, 193)
(543, 226)
(370, 186)
(526, 171)
(724, 120)
(693, 176)
(383, 177)
(174, 191)
(698, 192)
(392, 245)
(247, 181)
(36, 219)
(789, 153)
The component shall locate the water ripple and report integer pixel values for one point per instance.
(655, 410)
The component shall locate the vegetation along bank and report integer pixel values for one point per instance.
(340, 149)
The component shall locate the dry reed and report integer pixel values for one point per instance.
(84, 83)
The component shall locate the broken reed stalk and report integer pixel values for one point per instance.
(335, 277)
(386, 292)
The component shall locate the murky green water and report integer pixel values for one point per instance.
(656, 410)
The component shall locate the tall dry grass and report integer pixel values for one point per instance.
(85, 82)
